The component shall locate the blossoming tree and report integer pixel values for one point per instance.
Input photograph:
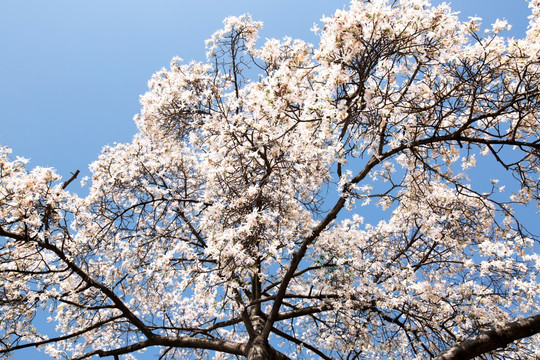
(238, 222)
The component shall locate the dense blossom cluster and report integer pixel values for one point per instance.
(331, 208)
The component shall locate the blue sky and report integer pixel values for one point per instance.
(72, 71)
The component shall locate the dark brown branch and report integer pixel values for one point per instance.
(219, 325)
(119, 304)
(493, 339)
(303, 312)
(68, 181)
(301, 343)
(12, 235)
(178, 342)
(192, 229)
(297, 257)
(229, 347)
(61, 338)
(124, 350)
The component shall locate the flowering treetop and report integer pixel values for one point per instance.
(234, 224)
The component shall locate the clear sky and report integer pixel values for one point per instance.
(71, 71)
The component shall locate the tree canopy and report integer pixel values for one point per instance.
(286, 200)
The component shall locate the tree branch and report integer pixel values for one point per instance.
(68, 181)
(178, 342)
(299, 342)
(299, 255)
(493, 339)
(61, 338)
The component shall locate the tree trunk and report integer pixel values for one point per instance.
(259, 349)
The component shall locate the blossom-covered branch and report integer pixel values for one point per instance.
(364, 198)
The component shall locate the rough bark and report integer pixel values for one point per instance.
(493, 339)
(259, 349)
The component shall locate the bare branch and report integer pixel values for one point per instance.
(68, 181)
